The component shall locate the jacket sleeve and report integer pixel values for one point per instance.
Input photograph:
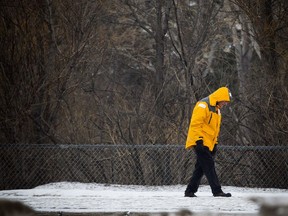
(199, 116)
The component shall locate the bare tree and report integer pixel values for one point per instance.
(266, 76)
(44, 53)
(262, 71)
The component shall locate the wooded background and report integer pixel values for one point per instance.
(130, 71)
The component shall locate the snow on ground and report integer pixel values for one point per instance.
(83, 197)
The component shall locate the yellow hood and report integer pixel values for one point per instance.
(221, 94)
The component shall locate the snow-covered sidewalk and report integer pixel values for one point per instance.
(80, 197)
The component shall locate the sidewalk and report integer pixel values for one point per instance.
(98, 199)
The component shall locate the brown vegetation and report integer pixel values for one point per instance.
(125, 71)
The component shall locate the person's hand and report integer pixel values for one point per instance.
(199, 142)
(199, 145)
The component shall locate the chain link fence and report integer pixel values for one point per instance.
(27, 166)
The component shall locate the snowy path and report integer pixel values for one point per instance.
(80, 197)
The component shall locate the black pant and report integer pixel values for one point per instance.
(205, 165)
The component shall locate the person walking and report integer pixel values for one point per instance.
(203, 138)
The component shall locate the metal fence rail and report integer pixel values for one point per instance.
(26, 166)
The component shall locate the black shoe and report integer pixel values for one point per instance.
(222, 194)
(190, 195)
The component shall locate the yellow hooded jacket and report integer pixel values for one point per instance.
(206, 119)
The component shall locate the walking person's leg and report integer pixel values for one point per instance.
(194, 183)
